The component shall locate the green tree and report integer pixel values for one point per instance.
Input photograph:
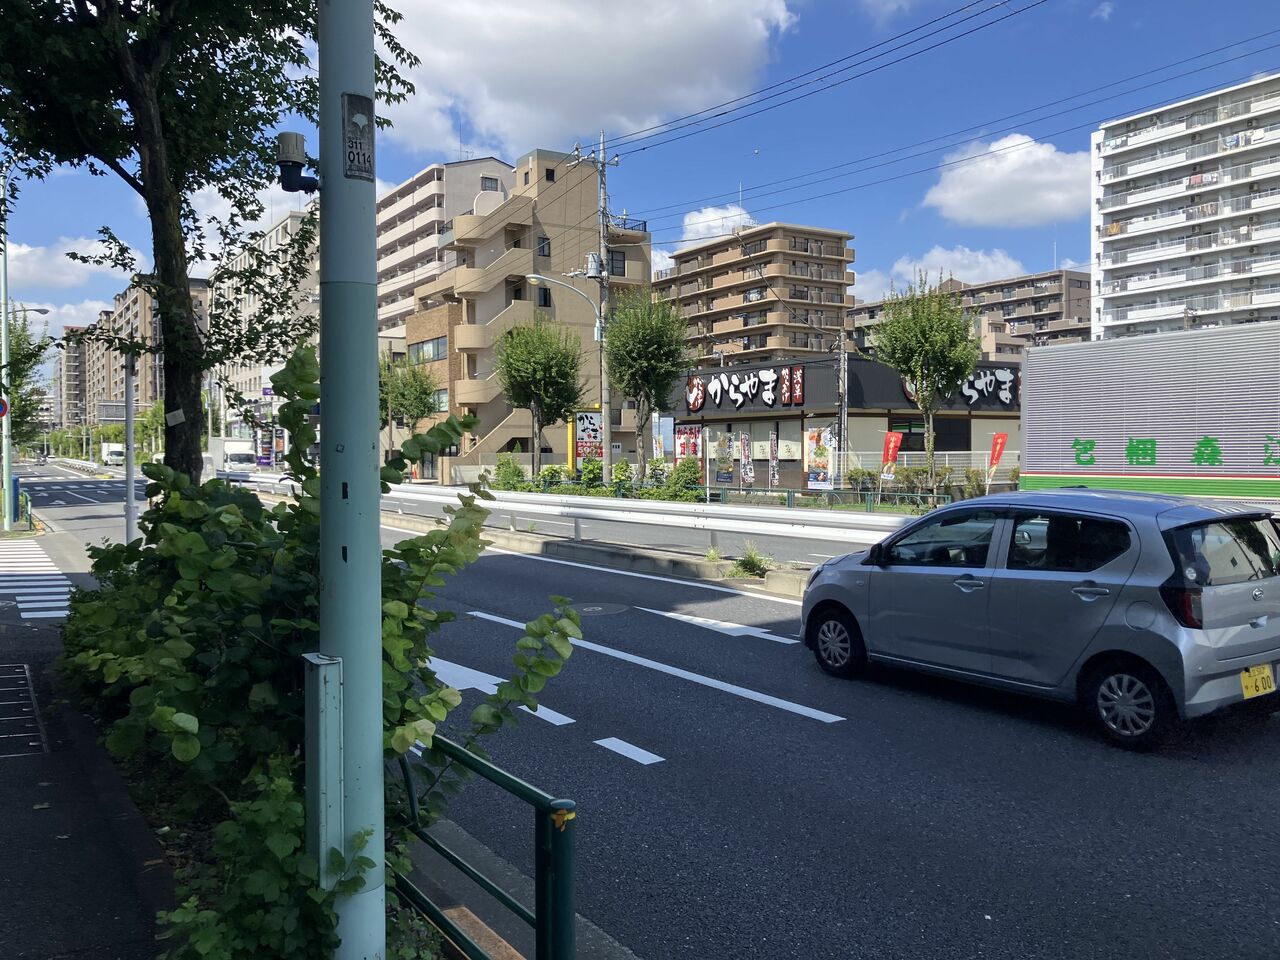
(538, 367)
(928, 338)
(176, 98)
(646, 356)
(407, 394)
(28, 349)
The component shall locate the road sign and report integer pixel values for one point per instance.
(4, 407)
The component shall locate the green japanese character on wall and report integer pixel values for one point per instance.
(1208, 453)
(1084, 451)
(1140, 452)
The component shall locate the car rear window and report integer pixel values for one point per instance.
(1226, 551)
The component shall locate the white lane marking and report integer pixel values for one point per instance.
(721, 626)
(646, 576)
(43, 614)
(72, 493)
(44, 595)
(44, 604)
(825, 556)
(628, 750)
(467, 678)
(689, 675)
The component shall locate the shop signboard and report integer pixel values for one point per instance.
(588, 437)
(748, 465)
(819, 444)
(773, 458)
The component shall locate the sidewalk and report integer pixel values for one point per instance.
(83, 875)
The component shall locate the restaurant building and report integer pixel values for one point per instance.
(794, 405)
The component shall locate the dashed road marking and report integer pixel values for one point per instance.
(629, 750)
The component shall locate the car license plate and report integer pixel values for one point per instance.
(1258, 681)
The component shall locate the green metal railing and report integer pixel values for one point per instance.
(552, 916)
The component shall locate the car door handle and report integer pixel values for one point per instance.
(1090, 593)
(969, 584)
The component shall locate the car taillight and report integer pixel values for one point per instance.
(1184, 604)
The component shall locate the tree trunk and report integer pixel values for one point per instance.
(643, 415)
(928, 449)
(535, 447)
(181, 347)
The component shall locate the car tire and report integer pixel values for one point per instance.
(1129, 703)
(837, 642)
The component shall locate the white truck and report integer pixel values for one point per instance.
(112, 455)
(1194, 413)
(227, 453)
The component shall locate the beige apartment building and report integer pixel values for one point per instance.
(69, 378)
(133, 316)
(1011, 315)
(411, 223)
(769, 292)
(547, 225)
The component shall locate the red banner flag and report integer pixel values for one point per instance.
(998, 441)
(892, 444)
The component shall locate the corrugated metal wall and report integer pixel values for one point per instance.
(1173, 388)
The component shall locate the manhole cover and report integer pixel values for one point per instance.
(598, 609)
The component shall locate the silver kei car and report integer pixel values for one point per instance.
(1144, 609)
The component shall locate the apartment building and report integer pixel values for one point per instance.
(252, 381)
(133, 316)
(769, 292)
(1010, 315)
(411, 225)
(69, 378)
(1186, 214)
(547, 225)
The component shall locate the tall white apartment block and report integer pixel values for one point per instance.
(1186, 214)
(412, 219)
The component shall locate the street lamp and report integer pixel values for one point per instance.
(606, 416)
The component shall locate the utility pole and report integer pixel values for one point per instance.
(600, 273)
(6, 421)
(843, 426)
(130, 504)
(350, 543)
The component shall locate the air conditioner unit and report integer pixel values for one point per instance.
(1195, 168)
(1253, 249)
(1249, 122)
(1253, 187)
(1131, 125)
(1253, 313)
(1253, 218)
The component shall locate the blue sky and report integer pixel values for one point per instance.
(506, 76)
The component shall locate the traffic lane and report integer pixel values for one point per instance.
(937, 820)
(675, 538)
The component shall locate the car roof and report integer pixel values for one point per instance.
(1171, 511)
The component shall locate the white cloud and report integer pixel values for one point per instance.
(62, 315)
(1066, 263)
(713, 222)
(971, 266)
(883, 10)
(1103, 11)
(662, 259)
(592, 71)
(1012, 182)
(49, 266)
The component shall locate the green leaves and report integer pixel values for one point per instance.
(185, 747)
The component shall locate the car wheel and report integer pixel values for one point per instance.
(1130, 704)
(837, 643)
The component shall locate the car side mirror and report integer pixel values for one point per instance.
(875, 556)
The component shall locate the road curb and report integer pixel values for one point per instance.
(152, 876)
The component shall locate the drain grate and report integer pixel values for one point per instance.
(21, 732)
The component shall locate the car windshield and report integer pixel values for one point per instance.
(1226, 551)
(240, 458)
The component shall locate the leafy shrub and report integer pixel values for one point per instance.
(860, 479)
(912, 479)
(551, 474)
(752, 563)
(508, 475)
(656, 472)
(687, 473)
(591, 474)
(1015, 476)
(622, 473)
(975, 482)
(189, 654)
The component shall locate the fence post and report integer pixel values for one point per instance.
(563, 920)
(511, 521)
(542, 890)
(577, 529)
(715, 540)
(791, 499)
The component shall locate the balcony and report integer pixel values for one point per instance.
(477, 392)
(482, 336)
(628, 224)
(471, 281)
(1262, 103)
(470, 229)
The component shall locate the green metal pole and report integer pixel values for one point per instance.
(542, 894)
(350, 549)
(563, 916)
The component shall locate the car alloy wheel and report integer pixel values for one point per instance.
(835, 646)
(1126, 705)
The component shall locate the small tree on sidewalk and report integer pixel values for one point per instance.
(539, 369)
(406, 393)
(928, 338)
(646, 356)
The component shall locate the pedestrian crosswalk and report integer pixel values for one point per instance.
(30, 578)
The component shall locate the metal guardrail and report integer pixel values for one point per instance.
(84, 466)
(830, 526)
(554, 820)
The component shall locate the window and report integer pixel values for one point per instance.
(544, 297)
(1043, 541)
(551, 174)
(1006, 310)
(960, 539)
(442, 399)
(489, 184)
(526, 178)
(428, 350)
(1230, 551)
(544, 247)
(617, 263)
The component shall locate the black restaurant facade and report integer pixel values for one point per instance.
(750, 407)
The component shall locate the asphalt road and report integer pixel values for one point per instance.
(734, 801)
